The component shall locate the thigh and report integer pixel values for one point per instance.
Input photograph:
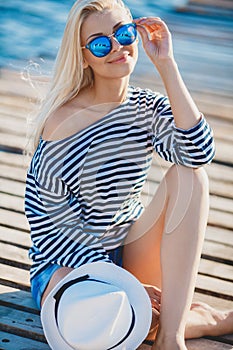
(57, 276)
(141, 254)
(56, 273)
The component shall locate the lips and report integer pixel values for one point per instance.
(119, 59)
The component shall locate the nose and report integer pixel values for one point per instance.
(116, 46)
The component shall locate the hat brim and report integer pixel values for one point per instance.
(116, 275)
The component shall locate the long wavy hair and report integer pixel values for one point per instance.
(69, 75)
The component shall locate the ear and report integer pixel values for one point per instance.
(85, 63)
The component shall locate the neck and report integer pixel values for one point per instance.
(110, 91)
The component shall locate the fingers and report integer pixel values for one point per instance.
(151, 22)
(155, 304)
(154, 295)
(152, 25)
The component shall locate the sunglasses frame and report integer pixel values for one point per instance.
(87, 46)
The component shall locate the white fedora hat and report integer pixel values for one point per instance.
(98, 306)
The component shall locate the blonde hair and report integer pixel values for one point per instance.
(69, 74)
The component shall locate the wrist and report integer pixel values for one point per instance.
(165, 65)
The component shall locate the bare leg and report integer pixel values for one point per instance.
(179, 230)
(56, 277)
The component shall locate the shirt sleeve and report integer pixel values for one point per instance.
(63, 239)
(193, 147)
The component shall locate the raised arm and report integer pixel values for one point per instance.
(157, 43)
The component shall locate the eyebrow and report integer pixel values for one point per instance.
(114, 27)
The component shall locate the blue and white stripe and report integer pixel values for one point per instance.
(83, 192)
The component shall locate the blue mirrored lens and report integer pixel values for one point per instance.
(126, 34)
(100, 46)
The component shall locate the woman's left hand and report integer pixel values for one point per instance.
(154, 295)
(156, 38)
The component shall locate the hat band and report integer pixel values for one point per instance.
(83, 278)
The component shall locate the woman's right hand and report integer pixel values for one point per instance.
(156, 39)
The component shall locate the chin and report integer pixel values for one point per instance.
(122, 69)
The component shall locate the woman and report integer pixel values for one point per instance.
(94, 141)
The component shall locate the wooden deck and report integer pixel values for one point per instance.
(207, 69)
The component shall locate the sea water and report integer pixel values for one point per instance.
(31, 31)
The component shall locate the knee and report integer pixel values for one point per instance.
(200, 179)
(184, 177)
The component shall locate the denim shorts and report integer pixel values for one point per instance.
(41, 280)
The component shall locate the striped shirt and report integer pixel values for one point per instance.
(83, 192)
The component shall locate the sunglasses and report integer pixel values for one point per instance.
(102, 45)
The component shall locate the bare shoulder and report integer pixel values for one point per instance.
(59, 123)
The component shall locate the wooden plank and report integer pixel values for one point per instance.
(223, 129)
(12, 81)
(13, 109)
(15, 254)
(13, 125)
(214, 286)
(219, 235)
(12, 219)
(216, 269)
(11, 202)
(12, 159)
(21, 323)
(218, 303)
(13, 141)
(198, 344)
(15, 237)
(223, 151)
(218, 251)
(12, 187)
(13, 173)
(23, 102)
(9, 341)
(221, 204)
(19, 299)
(204, 344)
(15, 277)
(220, 218)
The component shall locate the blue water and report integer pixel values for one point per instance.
(31, 31)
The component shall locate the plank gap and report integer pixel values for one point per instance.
(18, 180)
(14, 244)
(214, 294)
(8, 149)
(217, 259)
(20, 307)
(22, 333)
(220, 339)
(13, 227)
(221, 162)
(12, 284)
(224, 244)
(215, 276)
(13, 263)
(12, 209)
